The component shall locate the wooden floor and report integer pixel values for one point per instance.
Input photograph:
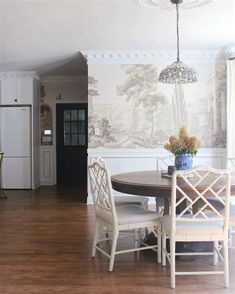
(45, 245)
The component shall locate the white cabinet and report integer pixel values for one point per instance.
(19, 130)
(16, 91)
(17, 173)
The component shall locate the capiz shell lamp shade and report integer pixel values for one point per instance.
(178, 72)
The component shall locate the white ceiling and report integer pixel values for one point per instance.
(44, 34)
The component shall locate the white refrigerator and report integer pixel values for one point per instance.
(16, 145)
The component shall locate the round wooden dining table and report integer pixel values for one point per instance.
(148, 183)
(144, 183)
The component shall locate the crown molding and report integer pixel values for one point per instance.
(145, 57)
(63, 79)
(19, 74)
(230, 50)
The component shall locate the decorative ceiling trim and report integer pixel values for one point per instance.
(63, 79)
(230, 50)
(167, 4)
(19, 74)
(150, 57)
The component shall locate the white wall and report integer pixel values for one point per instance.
(37, 34)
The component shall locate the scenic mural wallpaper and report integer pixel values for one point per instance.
(129, 108)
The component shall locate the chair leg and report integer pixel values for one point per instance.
(230, 238)
(172, 252)
(159, 243)
(113, 249)
(2, 194)
(157, 205)
(136, 236)
(163, 249)
(226, 264)
(97, 229)
(215, 254)
(143, 233)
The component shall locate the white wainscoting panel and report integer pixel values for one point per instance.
(129, 160)
(46, 166)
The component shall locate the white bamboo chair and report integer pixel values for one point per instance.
(163, 162)
(162, 166)
(198, 226)
(121, 218)
(124, 199)
(232, 222)
(231, 167)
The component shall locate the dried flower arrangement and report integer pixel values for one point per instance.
(183, 143)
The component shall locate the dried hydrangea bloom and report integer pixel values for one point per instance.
(183, 144)
(173, 140)
(167, 146)
(183, 133)
(199, 143)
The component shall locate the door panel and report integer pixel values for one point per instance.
(15, 130)
(16, 173)
(71, 137)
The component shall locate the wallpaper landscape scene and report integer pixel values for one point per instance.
(129, 108)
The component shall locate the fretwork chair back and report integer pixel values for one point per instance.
(162, 166)
(191, 223)
(123, 218)
(121, 200)
(164, 162)
(2, 193)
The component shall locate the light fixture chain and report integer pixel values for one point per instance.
(178, 72)
(177, 32)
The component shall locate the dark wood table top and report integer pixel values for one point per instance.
(146, 183)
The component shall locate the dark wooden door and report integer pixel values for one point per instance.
(71, 140)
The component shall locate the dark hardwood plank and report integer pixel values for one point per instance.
(45, 245)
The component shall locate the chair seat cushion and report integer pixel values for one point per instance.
(133, 200)
(193, 228)
(131, 214)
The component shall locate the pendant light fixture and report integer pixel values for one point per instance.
(178, 72)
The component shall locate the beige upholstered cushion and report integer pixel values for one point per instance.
(128, 214)
(192, 228)
(130, 200)
(104, 214)
(133, 214)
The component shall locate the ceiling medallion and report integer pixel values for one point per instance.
(167, 4)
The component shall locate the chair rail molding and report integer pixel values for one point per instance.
(129, 160)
